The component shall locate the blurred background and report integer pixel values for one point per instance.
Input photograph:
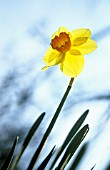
(25, 91)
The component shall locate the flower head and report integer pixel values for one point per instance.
(67, 49)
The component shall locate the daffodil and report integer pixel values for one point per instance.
(67, 50)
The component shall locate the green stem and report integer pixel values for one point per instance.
(50, 127)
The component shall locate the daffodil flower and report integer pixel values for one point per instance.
(67, 49)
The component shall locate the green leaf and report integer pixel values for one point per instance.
(74, 144)
(46, 160)
(32, 131)
(70, 135)
(79, 157)
(27, 140)
(7, 162)
(93, 167)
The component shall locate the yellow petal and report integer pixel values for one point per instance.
(87, 47)
(54, 62)
(45, 68)
(53, 57)
(83, 32)
(79, 41)
(75, 52)
(72, 65)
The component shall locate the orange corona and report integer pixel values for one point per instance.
(61, 43)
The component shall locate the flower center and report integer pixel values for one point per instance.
(61, 43)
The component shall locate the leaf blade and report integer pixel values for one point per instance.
(8, 160)
(74, 144)
(46, 160)
(79, 157)
(27, 140)
(70, 135)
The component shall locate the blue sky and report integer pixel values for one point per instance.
(25, 30)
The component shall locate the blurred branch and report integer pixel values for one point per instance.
(102, 33)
